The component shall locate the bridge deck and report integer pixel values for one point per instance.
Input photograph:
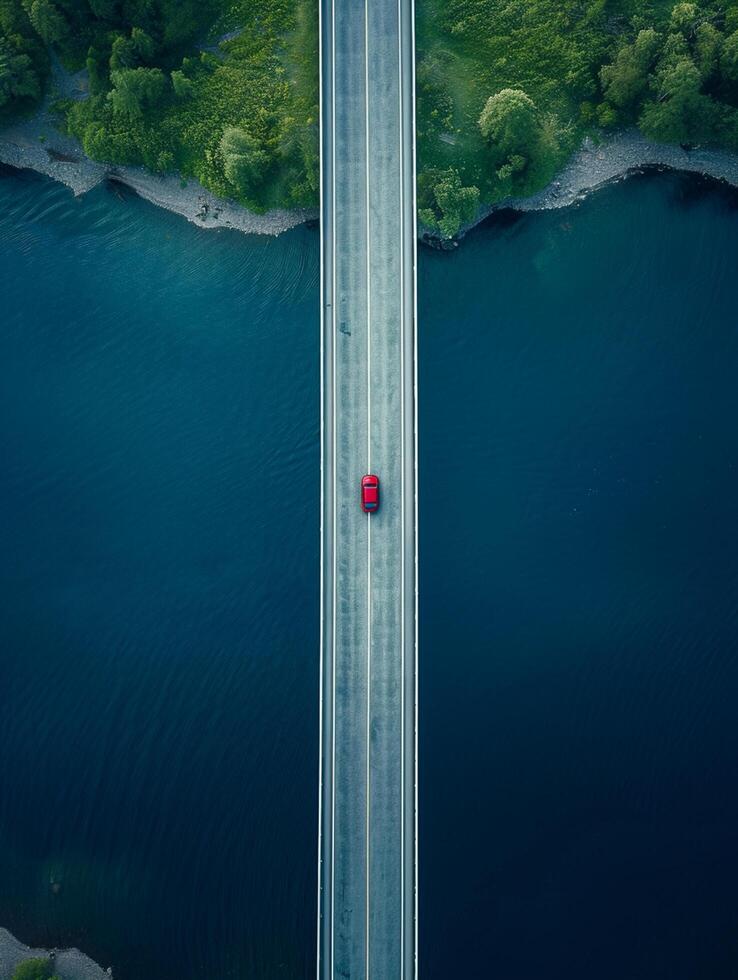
(367, 902)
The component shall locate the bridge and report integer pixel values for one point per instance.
(367, 902)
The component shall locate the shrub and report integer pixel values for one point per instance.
(35, 969)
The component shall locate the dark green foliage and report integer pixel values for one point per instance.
(537, 75)
(729, 62)
(19, 82)
(131, 52)
(681, 112)
(242, 117)
(506, 89)
(23, 61)
(444, 203)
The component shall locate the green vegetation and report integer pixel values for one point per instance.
(507, 89)
(241, 116)
(23, 60)
(37, 969)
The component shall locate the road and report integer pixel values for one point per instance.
(367, 921)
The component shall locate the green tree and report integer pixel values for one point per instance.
(510, 121)
(135, 90)
(684, 18)
(245, 161)
(104, 9)
(708, 45)
(449, 204)
(681, 113)
(182, 85)
(18, 78)
(625, 81)
(729, 60)
(47, 20)
(131, 52)
(97, 70)
(165, 161)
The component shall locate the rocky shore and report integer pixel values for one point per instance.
(36, 144)
(69, 964)
(595, 165)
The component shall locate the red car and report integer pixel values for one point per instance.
(369, 493)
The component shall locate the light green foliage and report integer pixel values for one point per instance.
(510, 122)
(135, 90)
(684, 17)
(445, 204)
(506, 89)
(577, 66)
(244, 160)
(472, 51)
(182, 85)
(708, 46)
(48, 21)
(625, 81)
(157, 99)
(682, 112)
(35, 969)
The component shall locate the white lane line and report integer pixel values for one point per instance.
(415, 468)
(319, 932)
(333, 452)
(369, 469)
(402, 495)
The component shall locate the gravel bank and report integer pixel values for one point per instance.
(69, 964)
(595, 165)
(36, 144)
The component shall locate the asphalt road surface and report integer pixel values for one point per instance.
(367, 921)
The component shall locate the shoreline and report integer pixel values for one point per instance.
(35, 144)
(597, 165)
(69, 964)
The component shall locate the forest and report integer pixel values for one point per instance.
(507, 89)
(226, 91)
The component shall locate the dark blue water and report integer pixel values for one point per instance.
(579, 582)
(159, 497)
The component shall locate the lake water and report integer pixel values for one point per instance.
(159, 542)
